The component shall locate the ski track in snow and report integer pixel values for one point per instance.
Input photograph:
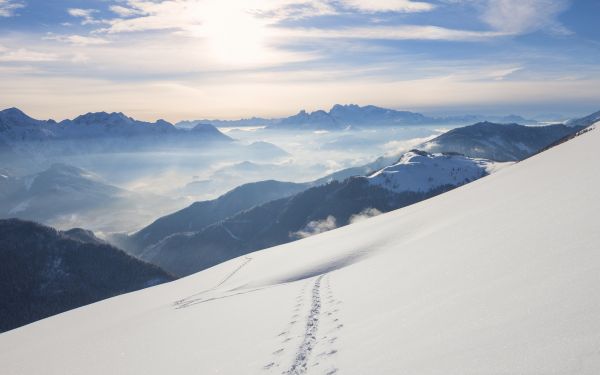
(189, 301)
(322, 316)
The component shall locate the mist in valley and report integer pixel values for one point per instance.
(121, 185)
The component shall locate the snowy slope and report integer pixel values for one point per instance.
(422, 171)
(497, 277)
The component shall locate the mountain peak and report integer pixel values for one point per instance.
(204, 127)
(15, 116)
(162, 122)
(13, 111)
(92, 118)
(339, 107)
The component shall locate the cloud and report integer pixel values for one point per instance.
(315, 227)
(86, 14)
(501, 74)
(8, 7)
(406, 32)
(193, 15)
(395, 148)
(364, 215)
(125, 11)
(374, 6)
(25, 55)
(524, 16)
(198, 18)
(79, 40)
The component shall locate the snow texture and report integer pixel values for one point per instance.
(420, 171)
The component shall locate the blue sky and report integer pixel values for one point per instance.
(181, 59)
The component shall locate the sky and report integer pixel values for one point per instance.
(194, 59)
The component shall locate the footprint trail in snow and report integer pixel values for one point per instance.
(312, 339)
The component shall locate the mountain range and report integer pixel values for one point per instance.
(258, 215)
(44, 272)
(340, 117)
(198, 237)
(314, 210)
(499, 276)
(16, 126)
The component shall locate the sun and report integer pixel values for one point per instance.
(234, 36)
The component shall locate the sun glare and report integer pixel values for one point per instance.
(233, 35)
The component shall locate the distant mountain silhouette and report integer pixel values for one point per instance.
(283, 220)
(16, 126)
(341, 116)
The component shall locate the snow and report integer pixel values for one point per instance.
(499, 276)
(229, 233)
(421, 172)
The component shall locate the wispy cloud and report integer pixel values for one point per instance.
(501, 74)
(125, 11)
(405, 6)
(87, 16)
(25, 55)
(8, 7)
(523, 16)
(196, 18)
(80, 40)
(408, 32)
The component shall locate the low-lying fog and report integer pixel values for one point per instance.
(158, 182)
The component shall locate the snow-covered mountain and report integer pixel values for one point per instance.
(420, 171)
(45, 272)
(499, 276)
(417, 176)
(105, 124)
(190, 245)
(16, 126)
(494, 141)
(28, 145)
